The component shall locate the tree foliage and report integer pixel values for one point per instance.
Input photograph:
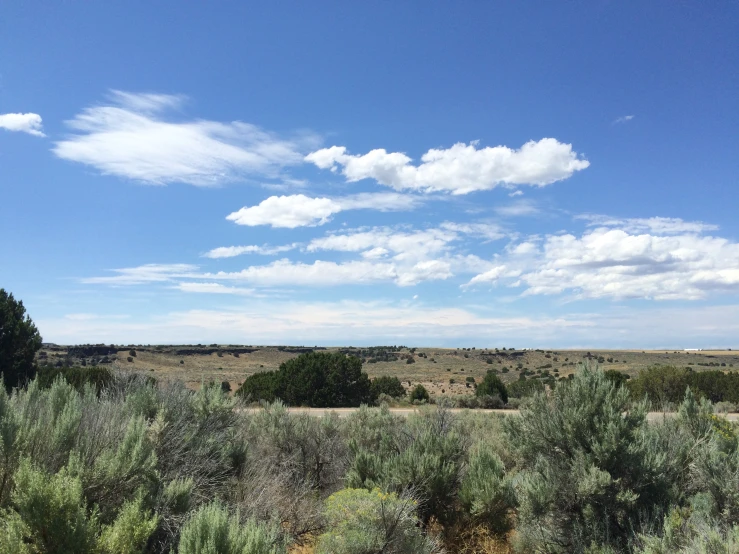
(523, 388)
(666, 385)
(319, 379)
(387, 385)
(419, 394)
(492, 386)
(19, 341)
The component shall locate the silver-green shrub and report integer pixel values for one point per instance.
(213, 530)
(590, 468)
(360, 521)
(486, 492)
(52, 509)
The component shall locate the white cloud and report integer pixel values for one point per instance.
(299, 210)
(517, 209)
(319, 273)
(493, 275)
(489, 231)
(660, 225)
(376, 253)
(23, 122)
(214, 288)
(516, 193)
(409, 246)
(130, 138)
(232, 251)
(331, 323)
(388, 322)
(623, 119)
(622, 263)
(429, 270)
(149, 273)
(460, 169)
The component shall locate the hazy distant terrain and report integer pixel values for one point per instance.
(433, 367)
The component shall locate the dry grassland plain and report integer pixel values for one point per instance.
(443, 371)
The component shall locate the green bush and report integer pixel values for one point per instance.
(318, 379)
(130, 531)
(590, 469)
(485, 491)
(491, 385)
(366, 522)
(425, 456)
(212, 530)
(97, 376)
(52, 509)
(387, 385)
(523, 388)
(419, 394)
(666, 385)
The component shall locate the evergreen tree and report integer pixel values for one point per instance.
(19, 342)
(491, 385)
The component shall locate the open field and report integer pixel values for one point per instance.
(443, 371)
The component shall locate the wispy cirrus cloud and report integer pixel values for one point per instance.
(29, 123)
(661, 225)
(264, 250)
(143, 274)
(131, 137)
(623, 119)
(214, 288)
(517, 209)
(460, 169)
(299, 210)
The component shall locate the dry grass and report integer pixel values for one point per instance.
(434, 370)
(478, 540)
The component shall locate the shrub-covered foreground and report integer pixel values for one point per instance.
(129, 466)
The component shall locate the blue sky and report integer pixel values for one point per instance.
(465, 174)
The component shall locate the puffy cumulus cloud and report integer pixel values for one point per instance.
(460, 169)
(610, 262)
(23, 122)
(299, 210)
(623, 119)
(143, 274)
(233, 251)
(131, 138)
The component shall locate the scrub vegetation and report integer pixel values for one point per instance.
(103, 461)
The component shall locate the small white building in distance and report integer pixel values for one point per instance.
(693, 350)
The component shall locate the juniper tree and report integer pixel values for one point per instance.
(19, 342)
